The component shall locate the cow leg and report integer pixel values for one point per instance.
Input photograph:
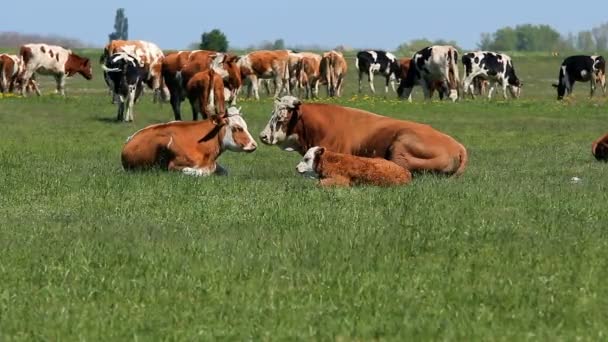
(360, 77)
(254, 86)
(316, 89)
(335, 181)
(340, 85)
(60, 79)
(278, 81)
(220, 170)
(175, 105)
(370, 79)
(131, 102)
(592, 90)
(121, 111)
(191, 165)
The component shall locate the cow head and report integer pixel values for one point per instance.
(515, 87)
(236, 137)
(86, 70)
(308, 164)
(561, 83)
(283, 117)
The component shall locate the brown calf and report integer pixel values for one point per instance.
(206, 91)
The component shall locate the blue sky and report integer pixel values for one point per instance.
(361, 24)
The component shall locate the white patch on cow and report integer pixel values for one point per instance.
(566, 79)
(584, 74)
(374, 67)
(170, 142)
(374, 55)
(391, 57)
(306, 166)
(197, 171)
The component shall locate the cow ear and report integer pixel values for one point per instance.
(320, 151)
(219, 120)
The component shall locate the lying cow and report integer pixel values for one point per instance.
(190, 147)
(599, 149)
(51, 60)
(297, 126)
(438, 63)
(581, 68)
(377, 62)
(495, 67)
(333, 168)
(126, 76)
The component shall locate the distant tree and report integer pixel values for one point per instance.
(600, 34)
(278, 44)
(121, 26)
(523, 38)
(414, 45)
(585, 41)
(214, 40)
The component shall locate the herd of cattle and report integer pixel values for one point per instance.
(368, 148)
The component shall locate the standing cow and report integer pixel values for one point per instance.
(495, 67)
(377, 62)
(52, 60)
(297, 126)
(581, 68)
(333, 70)
(267, 64)
(126, 77)
(206, 91)
(438, 63)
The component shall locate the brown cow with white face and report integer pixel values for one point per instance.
(297, 126)
(190, 147)
(266, 64)
(52, 60)
(333, 70)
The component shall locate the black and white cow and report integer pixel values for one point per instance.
(377, 62)
(125, 76)
(494, 67)
(433, 65)
(581, 68)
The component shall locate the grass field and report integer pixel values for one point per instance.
(510, 251)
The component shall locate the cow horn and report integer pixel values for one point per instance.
(106, 69)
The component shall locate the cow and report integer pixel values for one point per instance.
(266, 64)
(581, 68)
(341, 169)
(149, 55)
(599, 148)
(10, 67)
(206, 92)
(126, 75)
(495, 67)
(404, 67)
(333, 70)
(432, 64)
(51, 60)
(191, 147)
(178, 68)
(377, 62)
(297, 126)
(308, 74)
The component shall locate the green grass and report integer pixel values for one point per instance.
(510, 251)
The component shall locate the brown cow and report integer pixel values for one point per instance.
(51, 60)
(206, 92)
(295, 126)
(190, 147)
(308, 74)
(10, 68)
(266, 64)
(599, 149)
(333, 168)
(333, 70)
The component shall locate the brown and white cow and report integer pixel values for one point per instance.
(341, 169)
(191, 147)
(432, 64)
(404, 67)
(10, 67)
(150, 56)
(297, 126)
(333, 72)
(266, 64)
(206, 92)
(308, 74)
(52, 60)
(599, 148)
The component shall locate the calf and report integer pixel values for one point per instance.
(190, 147)
(126, 76)
(308, 74)
(266, 64)
(51, 60)
(333, 168)
(333, 70)
(438, 63)
(495, 67)
(207, 94)
(377, 62)
(581, 68)
(599, 149)
(149, 55)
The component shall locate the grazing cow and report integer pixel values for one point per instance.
(438, 63)
(581, 68)
(191, 147)
(10, 67)
(206, 92)
(266, 64)
(308, 74)
(404, 67)
(340, 169)
(150, 56)
(599, 149)
(179, 67)
(126, 76)
(495, 67)
(333, 72)
(53, 60)
(377, 62)
(297, 126)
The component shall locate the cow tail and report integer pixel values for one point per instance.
(357, 62)
(454, 67)
(464, 159)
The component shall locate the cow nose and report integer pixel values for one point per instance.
(252, 147)
(264, 137)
